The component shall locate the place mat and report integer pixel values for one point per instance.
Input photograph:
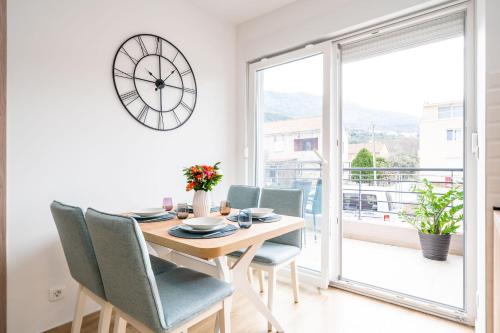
(164, 217)
(268, 219)
(177, 232)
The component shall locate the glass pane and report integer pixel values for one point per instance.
(290, 98)
(402, 122)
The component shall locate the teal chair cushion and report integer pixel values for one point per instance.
(185, 293)
(272, 253)
(77, 247)
(242, 196)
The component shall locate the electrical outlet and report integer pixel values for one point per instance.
(56, 293)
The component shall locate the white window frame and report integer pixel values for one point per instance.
(255, 163)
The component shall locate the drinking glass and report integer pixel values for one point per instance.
(245, 219)
(225, 208)
(168, 204)
(182, 211)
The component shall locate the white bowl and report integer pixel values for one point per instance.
(260, 212)
(148, 212)
(204, 223)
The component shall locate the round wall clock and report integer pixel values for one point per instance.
(154, 82)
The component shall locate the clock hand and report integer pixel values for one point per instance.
(138, 78)
(172, 72)
(151, 74)
(168, 85)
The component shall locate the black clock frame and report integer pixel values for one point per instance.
(135, 86)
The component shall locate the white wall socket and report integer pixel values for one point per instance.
(56, 293)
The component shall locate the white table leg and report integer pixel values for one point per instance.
(224, 275)
(242, 285)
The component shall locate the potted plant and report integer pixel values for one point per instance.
(202, 179)
(436, 216)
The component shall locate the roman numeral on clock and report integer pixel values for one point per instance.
(158, 46)
(120, 73)
(129, 97)
(189, 90)
(161, 125)
(186, 72)
(176, 118)
(186, 107)
(134, 60)
(142, 45)
(143, 114)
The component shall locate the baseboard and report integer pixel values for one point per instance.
(66, 328)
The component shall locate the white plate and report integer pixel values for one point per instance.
(260, 212)
(149, 216)
(198, 231)
(204, 223)
(148, 212)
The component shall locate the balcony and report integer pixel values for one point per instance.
(378, 247)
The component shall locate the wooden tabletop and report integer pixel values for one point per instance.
(210, 248)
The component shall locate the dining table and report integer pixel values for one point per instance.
(208, 255)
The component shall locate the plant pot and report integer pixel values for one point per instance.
(435, 247)
(201, 203)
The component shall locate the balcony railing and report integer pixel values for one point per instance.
(366, 192)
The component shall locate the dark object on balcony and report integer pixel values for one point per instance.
(434, 246)
(316, 204)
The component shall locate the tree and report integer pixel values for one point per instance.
(363, 159)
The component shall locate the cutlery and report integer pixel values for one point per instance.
(213, 234)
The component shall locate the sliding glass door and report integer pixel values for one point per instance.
(289, 106)
(403, 125)
(363, 124)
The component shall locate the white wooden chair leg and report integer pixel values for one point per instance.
(76, 326)
(105, 318)
(270, 294)
(250, 275)
(225, 316)
(295, 280)
(120, 324)
(261, 280)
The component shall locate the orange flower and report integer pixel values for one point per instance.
(190, 186)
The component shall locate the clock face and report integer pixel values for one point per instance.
(154, 82)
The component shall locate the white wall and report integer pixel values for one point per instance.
(69, 138)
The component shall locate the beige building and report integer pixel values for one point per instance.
(441, 136)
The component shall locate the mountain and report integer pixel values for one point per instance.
(282, 106)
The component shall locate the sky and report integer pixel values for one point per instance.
(401, 81)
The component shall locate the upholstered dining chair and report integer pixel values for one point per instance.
(243, 196)
(80, 256)
(283, 250)
(82, 263)
(170, 301)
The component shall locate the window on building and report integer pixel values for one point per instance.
(453, 134)
(450, 111)
(305, 144)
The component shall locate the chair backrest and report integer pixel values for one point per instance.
(242, 196)
(305, 186)
(286, 202)
(77, 247)
(318, 198)
(126, 271)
